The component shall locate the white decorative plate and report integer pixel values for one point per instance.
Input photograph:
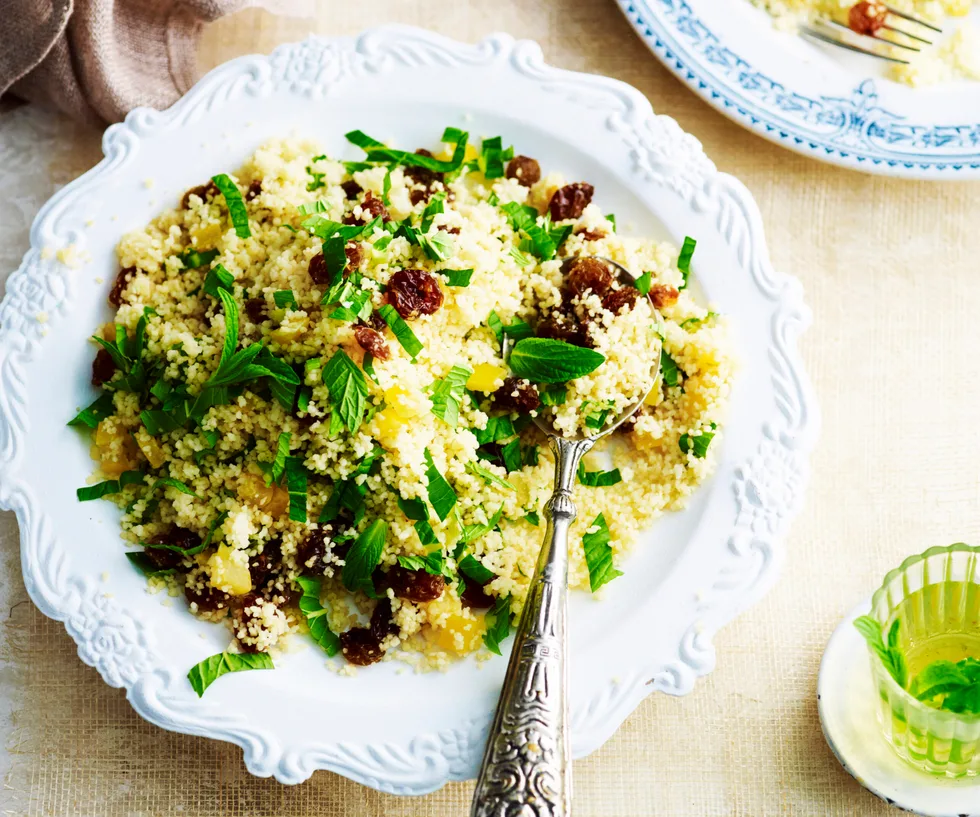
(389, 728)
(812, 98)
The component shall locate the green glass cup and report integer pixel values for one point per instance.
(936, 598)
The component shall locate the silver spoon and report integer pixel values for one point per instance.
(527, 765)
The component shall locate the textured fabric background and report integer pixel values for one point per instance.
(892, 271)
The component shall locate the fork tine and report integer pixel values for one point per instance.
(872, 36)
(904, 33)
(817, 35)
(913, 18)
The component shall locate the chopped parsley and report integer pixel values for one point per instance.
(598, 554)
(235, 204)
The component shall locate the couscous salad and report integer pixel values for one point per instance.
(308, 422)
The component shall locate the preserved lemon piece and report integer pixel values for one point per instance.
(450, 627)
(150, 447)
(486, 377)
(229, 571)
(654, 398)
(400, 403)
(116, 448)
(290, 329)
(272, 499)
(388, 425)
(206, 236)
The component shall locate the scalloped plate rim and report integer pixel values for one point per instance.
(289, 768)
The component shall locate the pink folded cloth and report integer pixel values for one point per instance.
(97, 59)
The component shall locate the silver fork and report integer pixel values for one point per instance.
(866, 19)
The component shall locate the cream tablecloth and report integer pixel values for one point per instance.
(892, 271)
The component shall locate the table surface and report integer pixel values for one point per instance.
(890, 271)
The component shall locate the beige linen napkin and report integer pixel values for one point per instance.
(97, 59)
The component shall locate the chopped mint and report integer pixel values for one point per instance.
(442, 497)
(456, 277)
(192, 259)
(684, 259)
(94, 413)
(363, 557)
(285, 299)
(109, 486)
(644, 282)
(296, 479)
(204, 674)
(235, 204)
(447, 394)
(697, 444)
(402, 331)
(488, 476)
(598, 554)
(598, 479)
(498, 624)
(316, 615)
(348, 389)
(543, 360)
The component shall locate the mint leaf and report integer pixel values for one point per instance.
(684, 259)
(94, 413)
(348, 389)
(204, 674)
(498, 624)
(296, 480)
(363, 557)
(318, 206)
(109, 486)
(511, 455)
(285, 299)
(236, 205)
(473, 569)
(316, 615)
(456, 277)
(471, 533)
(598, 479)
(890, 656)
(273, 470)
(670, 371)
(488, 476)
(442, 497)
(543, 360)
(418, 512)
(438, 246)
(192, 259)
(447, 394)
(192, 551)
(145, 565)
(401, 330)
(377, 151)
(598, 554)
(697, 444)
(644, 282)
(555, 395)
(533, 518)
(497, 429)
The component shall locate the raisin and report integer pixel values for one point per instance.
(254, 190)
(361, 647)
(354, 254)
(414, 585)
(208, 599)
(618, 298)
(628, 426)
(165, 559)
(255, 308)
(422, 175)
(372, 342)
(663, 295)
(351, 189)
(381, 621)
(588, 274)
(263, 566)
(527, 171)
(318, 270)
(561, 326)
(311, 555)
(371, 208)
(121, 282)
(103, 367)
(591, 235)
(867, 17)
(517, 395)
(450, 230)
(376, 322)
(414, 292)
(570, 201)
(475, 596)
(418, 196)
(204, 192)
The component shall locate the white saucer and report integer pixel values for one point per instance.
(846, 702)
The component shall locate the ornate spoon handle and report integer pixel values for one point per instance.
(526, 768)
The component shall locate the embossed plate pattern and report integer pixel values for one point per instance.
(817, 100)
(690, 575)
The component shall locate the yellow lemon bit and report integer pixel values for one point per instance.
(486, 377)
(272, 499)
(229, 571)
(151, 449)
(206, 236)
(400, 403)
(450, 627)
(289, 330)
(117, 449)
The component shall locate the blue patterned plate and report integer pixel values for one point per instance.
(816, 100)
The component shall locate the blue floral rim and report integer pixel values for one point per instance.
(854, 131)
